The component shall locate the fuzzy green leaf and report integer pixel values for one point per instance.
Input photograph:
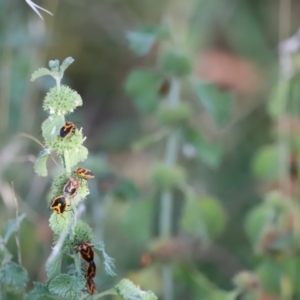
(142, 40)
(53, 266)
(79, 155)
(129, 291)
(51, 127)
(39, 73)
(209, 153)
(40, 165)
(40, 292)
(66, 63)
(67, 287)
(13, 274)
(12, 226)
(107, 260)
(59, 223)
(218, 104)
(143, 87)
(54, 65)
(5, 255)
(203, 217)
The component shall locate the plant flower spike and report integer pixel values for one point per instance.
(72, 237)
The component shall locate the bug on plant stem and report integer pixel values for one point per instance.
(67, 130)
(59, 204)
(90, 270)
(90, 286)
(71, 187)
(86, 251)
(84, 173)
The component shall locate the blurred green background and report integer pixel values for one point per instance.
(234, 45)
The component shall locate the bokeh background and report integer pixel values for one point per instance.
(234, 44)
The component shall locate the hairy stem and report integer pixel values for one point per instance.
(165, 225)
(67, 162)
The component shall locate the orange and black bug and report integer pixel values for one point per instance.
(90, 286)
(71, 187)
(90, 270)
(67, 130)
(59, 205)
(84, 173)
(86, 251)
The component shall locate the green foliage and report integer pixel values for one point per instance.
(57, 71)
(82, 233)
(129, 291)
(13, 277)
(11, 227)
(69, 233)
(53, 265)
(61, 100)
(12, 274)
(175, 63)
(265, 164)
(40, 165)
(59, 223)
(218, 104)
(167, 177)
(51, 127)
(203, 217)
(142, 40)
(66, 286)
(40, 72)
(208, 152)
(40, 292)
(107, 261)
(143, 86)
(172, 116)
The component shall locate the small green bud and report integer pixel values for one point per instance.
(71, 144)
(51, 127)
(58, 184)
(61, 101)
(166, 177)
(176, 63)
(82, 233)
(171, 116)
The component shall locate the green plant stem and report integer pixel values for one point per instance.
(165, 225)
(58, 82)
(67, 162)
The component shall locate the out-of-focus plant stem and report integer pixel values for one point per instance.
(172, 149)
(5, 86)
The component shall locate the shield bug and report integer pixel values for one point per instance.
(84, 173)
(67, 130)
(59, 205)
(71, 187)
(90, 270)
(90, 286)
(86, 251)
